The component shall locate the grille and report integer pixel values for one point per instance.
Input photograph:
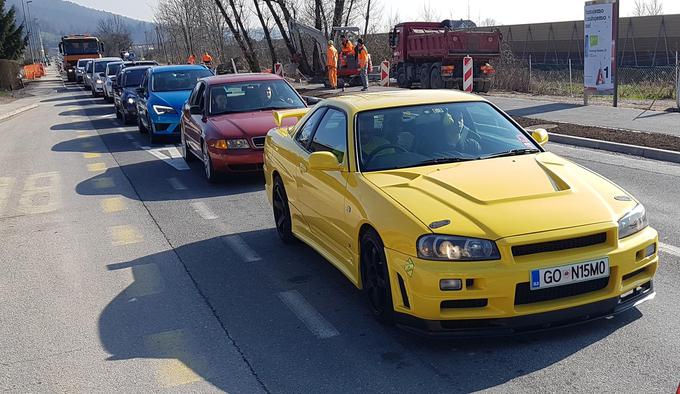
(524, 295)
(161, 126)
(258, 142)
(552, 246)
(632, 274)
(473, 303)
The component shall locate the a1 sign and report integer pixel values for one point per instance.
(599, 57)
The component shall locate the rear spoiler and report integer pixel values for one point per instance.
(298, 113)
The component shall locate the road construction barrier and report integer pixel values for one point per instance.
(278, 69)
(32, 71)
(467, 74)
(385, 73)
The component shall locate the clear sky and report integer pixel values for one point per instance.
(502, 11)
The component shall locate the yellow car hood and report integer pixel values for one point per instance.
(502, 197)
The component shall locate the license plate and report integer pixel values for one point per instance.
(566, 274)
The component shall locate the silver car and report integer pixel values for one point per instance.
(110, 75)
(96, 74)
(80, 69)
(87, 74)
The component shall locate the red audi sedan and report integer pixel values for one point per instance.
(226, 119)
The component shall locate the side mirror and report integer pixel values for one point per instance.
(323, 161)
(195, 110)
(311, 100)
(540, 135)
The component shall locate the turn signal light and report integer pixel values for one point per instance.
(221, 144)
(450, 284)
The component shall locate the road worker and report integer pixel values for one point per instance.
(191, 59)
(207, 59)
(347, 49)
(332, 64)
(362, 58)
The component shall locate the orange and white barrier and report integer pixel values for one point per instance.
(467, 74)
(385, 73)
(278, 69)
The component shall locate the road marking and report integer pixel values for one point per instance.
(41, 194)
(124, 235)
(238, 245)
(169, 346)
(147, 281)
(308, 315)
(176, 184)
(169, 154)
(112, 204)
(104, 182)
(670, 249)
(105, 116)
(91, 155)
(128, 136)
(96, 167)
(6, 186)
(203, 210)
(87, 144)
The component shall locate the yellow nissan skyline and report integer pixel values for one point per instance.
(452, 219)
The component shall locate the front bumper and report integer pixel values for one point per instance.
(98, 87)
(166, 124)
(236, 160)
(494, 293)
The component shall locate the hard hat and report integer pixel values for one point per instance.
(330, 42)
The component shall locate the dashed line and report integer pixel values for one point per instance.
(238, 245)
(170, 155)
(203, 210)
(96, 167)
(670, 249)
(171, 347)
(112, 204)
(176, 184)
(124, 235)
(314, 321)
(91, 155)
(105, 182)
(6, 186)
(147, 281)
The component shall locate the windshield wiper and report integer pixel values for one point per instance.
(444, 160)
(513, 152)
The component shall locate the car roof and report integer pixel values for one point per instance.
(242, 77)
(108, 59)
(399, 98)
(144, 67)
(178, 67)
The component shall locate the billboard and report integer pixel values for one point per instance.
(599, 59)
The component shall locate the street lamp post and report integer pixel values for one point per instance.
(42, 48)
(30, 30)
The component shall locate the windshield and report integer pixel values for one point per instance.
(81, 47)
(253, 96)
(436, 133)
(88, 66)
(82, 62)
(112, 68)
(100, 66)
(168, 81)
(134, 77)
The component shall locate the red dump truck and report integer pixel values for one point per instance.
(431, 54)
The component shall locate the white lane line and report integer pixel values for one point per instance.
(314, 321)
(176, 184)
(670, 249)
(105, 116)
(203, 210)
(238, 245)
(169, 154)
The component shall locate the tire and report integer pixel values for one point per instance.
(140, 125)
(375, 277)
(436, 81)
(152, 138)
(186, 152)
(210, 175)
(282, 218)
(425, 76)
(118, 114)
(402, 79)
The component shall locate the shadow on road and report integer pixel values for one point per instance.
(542, 109)
(153, 318)
(67, 98)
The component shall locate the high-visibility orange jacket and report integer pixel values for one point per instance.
(207, 58)
(362, 57)
(332, 57)
(348, 48)
(191, 59)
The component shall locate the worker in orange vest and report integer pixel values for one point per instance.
(362, 58)
(332, 64)
(191, 59)
(207, 59)
(347, 49)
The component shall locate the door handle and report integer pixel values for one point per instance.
(303, 167)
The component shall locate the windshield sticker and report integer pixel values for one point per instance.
(524, 140)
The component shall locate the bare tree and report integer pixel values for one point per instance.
(429, 13)
(265, 29)
(487, 22)
(115, 34)
(647, 7)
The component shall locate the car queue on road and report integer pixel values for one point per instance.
(448, 215)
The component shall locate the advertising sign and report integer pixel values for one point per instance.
(599, 61)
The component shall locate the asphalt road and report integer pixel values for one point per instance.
(122, 270)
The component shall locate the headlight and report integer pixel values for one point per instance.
(447, 247)
(232, 144)
(162, 109)
(99, 82)
(130, 100)
(633, 221)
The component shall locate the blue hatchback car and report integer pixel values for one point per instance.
(162, 93)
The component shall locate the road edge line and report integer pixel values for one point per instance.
(616, 147)
(17, 111)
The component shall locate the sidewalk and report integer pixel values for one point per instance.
(33, 93)
(595, 115)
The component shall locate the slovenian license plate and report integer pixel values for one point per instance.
(566, 274)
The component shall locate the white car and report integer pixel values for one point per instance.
(80, 69)
(110, 74)
(95, 77)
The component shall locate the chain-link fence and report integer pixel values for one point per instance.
(638, 83)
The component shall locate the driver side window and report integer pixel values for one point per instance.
(304, 135)
(331, 135)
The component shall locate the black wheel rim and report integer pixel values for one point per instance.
(280, 212)
(376, 277)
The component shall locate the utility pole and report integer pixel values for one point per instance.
(28, 29)
(42, 48)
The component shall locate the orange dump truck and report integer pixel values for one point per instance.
(78, 46)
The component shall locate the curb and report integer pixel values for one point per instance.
(17, 112)
(635, 150)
